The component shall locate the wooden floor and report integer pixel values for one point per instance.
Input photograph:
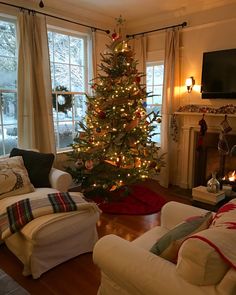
(80, 276)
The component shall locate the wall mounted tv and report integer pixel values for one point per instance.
(219, 74)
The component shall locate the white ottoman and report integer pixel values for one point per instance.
(55, 238)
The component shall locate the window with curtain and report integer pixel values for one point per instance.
(154, 82)
(69, 75)
(8, 85)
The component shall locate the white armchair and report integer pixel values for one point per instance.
(51, 239)
(60, 180)
(129, 268)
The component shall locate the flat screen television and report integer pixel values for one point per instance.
(219, 74)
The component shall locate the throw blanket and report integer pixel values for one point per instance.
(22, 212)
(221, 235)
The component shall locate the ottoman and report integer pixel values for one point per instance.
(54, 238)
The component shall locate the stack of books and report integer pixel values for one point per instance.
(201, 194)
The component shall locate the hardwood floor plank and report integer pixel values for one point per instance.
(79, 275)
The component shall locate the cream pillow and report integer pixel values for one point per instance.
(14, 179)
(199, 263)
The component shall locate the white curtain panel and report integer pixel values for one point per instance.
(94, 53)
(170, 102)
(139, 46)
(35, 120)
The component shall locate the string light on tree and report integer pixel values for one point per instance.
(114, 147)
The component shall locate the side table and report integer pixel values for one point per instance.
(210, 207)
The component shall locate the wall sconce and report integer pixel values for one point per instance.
(189, 83)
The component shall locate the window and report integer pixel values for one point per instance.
(154, 80)
(8, 85)
(69, 75)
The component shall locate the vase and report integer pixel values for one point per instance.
(213, 185)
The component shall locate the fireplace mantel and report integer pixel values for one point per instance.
(188, 125)
(205, 114)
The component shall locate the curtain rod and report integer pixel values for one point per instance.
(57, 17)
(184, 24)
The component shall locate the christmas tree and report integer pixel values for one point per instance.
(114, 147)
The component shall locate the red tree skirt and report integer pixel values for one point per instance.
(140, 200)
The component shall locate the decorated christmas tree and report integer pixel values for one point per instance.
(114, 148)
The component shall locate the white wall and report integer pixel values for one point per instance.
(216, 36)
(208, 31)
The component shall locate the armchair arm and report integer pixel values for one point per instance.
(173, 213)
(137, 271)
(60, 180)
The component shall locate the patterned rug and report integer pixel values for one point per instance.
(10, 287)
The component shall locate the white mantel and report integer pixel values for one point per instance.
(188, 126)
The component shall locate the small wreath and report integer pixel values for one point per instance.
(65, 104)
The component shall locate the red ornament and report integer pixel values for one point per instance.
(114, 36)
(102, 115)
(152, 164)
(138, 115)
(137, 79)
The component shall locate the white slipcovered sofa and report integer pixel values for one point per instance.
(51, 239)
(129, 268)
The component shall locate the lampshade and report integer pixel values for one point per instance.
(189, 83)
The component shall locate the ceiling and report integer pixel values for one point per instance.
(135, 12)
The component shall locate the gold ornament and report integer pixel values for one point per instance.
(89, 164)
(132, 124)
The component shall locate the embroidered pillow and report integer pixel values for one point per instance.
(37, 164)
(168, 245)
(14, 178)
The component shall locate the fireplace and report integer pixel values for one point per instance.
(208, 159)
(193, 169)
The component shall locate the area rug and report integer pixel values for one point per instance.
(139, 201)
(10, 287)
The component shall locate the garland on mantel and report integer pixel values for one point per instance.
(228, 109)
(193, 108)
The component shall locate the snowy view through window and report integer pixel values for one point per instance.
(68, 59)
(154, 80)
(8, 81)
(69, 74)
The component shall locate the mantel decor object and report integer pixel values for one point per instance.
(213, 185)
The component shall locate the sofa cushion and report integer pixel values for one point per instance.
(206, 256)
(37, 164)
(14, 178)
(199, 263)
(168, 245)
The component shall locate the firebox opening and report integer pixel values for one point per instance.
(208, 159)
